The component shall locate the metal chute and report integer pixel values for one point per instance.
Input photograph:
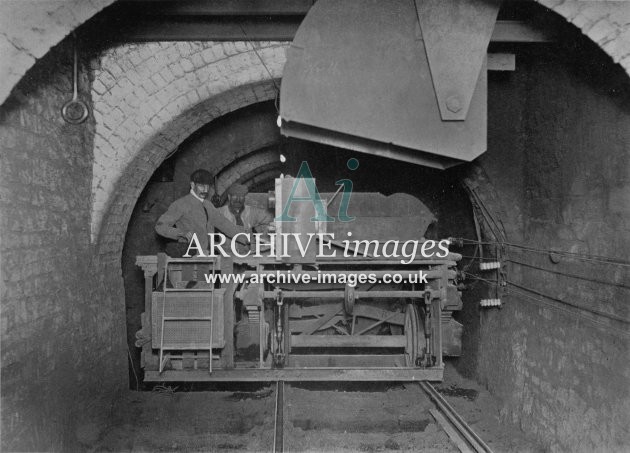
(359, 75)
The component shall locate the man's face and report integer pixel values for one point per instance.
(236, 202)
(201, 190)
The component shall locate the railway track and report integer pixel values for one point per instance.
(458, 431)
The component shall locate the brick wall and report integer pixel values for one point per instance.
(231, 146)
(62, 319)
(604, 22)
(558, 163)
(181, 87)
(30, 29)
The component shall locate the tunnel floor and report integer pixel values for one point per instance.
(318, 417)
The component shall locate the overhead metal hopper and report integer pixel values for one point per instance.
(360, 74)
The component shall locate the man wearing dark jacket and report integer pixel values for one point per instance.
(191, 214)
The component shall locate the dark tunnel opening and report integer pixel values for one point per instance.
(249, 143)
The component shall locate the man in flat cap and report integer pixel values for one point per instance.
(193, 213)
(253, 219)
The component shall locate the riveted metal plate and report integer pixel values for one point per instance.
(357, 76)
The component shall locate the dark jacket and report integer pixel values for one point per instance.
(189, 214)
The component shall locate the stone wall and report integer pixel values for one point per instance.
(28, 30)
(558, 161)
(62, 314)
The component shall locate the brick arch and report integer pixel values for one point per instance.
(231, 164)
(265, 178)
(186, 86)
(248, 167)
(604, 23)
(135, 176)
(32, 29)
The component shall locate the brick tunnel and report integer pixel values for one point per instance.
(549, 199)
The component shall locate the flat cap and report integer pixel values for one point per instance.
(201, 176)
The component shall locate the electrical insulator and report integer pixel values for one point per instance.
(490, 302)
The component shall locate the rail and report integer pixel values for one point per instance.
(457, 429)
(278, 428)
(455, 424)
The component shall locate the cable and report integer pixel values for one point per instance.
(571, 304)
(262, 61)
(582, 256)
(476, 277)
(578, 307)
(133, 368)
(478, 242)
(571, 312)
(489, 215)
(581, 277)
(497, 231)
(489, 258)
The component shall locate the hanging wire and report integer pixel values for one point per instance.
(475, 241)
(487, 215)
(472, 257)
(478, 204)
(555, 299)
(133, 368)
(578, 313)
(263, 63)
(478, 246)
(525, 292)
(571, 304)
(581, 256)
(566, 274)
(476, 277)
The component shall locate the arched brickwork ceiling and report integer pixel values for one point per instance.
(29, 29)
(248, 167)
(264, 181)
(606, 23)
(148, 158)
(181, 87)
(230, 167)
(255, 166)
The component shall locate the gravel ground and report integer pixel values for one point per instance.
(319, 417)
(191, 422)
(481, 411)
(361, 417)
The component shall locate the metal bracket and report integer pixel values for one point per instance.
(456, 34)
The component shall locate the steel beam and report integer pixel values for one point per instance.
(279, 27)
(220, 7)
